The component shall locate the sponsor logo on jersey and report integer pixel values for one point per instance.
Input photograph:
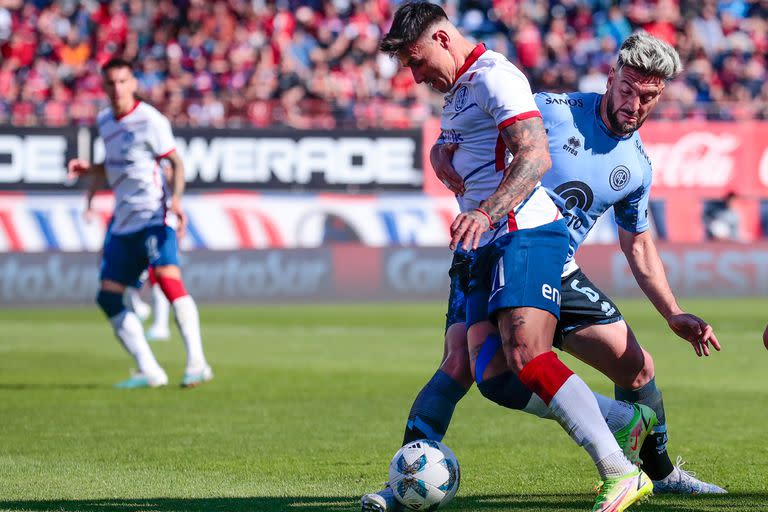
(575, 194)
(566, 101)
(641, 149)
(619, 177)
(451, 135)
(573, 145)
(550, 292)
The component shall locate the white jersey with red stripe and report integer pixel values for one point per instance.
(134, 144)
(490, 94)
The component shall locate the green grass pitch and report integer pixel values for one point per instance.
(308, 406)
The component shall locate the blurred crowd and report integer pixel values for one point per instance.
(315, 63)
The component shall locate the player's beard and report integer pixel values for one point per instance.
(617, 126)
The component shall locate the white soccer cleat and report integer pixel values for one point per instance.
(680, 481)
(158, 333)
(139, 380)
(382, 501)
(193, 378)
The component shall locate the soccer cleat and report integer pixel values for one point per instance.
(382, 501)
(157, 333)
(193, 378)
(142, 380)
(631, 437)
(617, 494)
(680, 481)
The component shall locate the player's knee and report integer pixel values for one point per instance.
(646, 373)
(111, 303)
(505, 390)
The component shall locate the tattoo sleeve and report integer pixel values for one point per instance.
(527, 140)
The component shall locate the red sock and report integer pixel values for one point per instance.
(172, 288)
(544, 375)
(152, 276)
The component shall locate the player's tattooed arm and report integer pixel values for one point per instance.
(527, 140)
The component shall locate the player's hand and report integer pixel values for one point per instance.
(177, 210)
(695, 331)
(89, 215)
(77, 167)
(442, 163)
(467, 229)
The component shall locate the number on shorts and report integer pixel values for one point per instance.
(591, 294)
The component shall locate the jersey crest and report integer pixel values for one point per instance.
(619, 178)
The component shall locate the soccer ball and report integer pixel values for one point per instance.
(424, 475)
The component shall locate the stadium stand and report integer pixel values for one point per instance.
(314, 63)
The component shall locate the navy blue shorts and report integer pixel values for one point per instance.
(583, 304)
(520, 269)
(457, 297)
(127, 256)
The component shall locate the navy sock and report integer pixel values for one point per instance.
(433, 408)
(654, 454)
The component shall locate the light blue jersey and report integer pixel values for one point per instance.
(592, 168)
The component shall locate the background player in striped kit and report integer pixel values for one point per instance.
(136, 137)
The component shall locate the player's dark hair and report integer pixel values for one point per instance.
(410, 21)
(116, 63)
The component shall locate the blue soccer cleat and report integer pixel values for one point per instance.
(142, 380)
(193, 378)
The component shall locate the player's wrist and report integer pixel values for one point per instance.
(486, 215)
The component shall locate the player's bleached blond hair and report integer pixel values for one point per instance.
(650, 55)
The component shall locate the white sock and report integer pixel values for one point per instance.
(616, 414)
(188, 321)
(576, 409)
(130, 332)
(160, 308)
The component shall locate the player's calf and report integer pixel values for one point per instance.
(130, 332)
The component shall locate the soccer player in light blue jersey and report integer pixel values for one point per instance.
(598, 162)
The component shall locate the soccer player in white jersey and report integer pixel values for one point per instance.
(136, 137)
(598, 163)
(160, 309)
(513, 230)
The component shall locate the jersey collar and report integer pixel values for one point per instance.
(134, 107)
(477, 51)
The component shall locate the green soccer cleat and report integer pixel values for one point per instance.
(619, 493)
(196, 377)
(630, 438)
(142, 380)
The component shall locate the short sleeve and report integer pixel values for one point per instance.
(162, 141)
(506, 95)
(632, 212)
